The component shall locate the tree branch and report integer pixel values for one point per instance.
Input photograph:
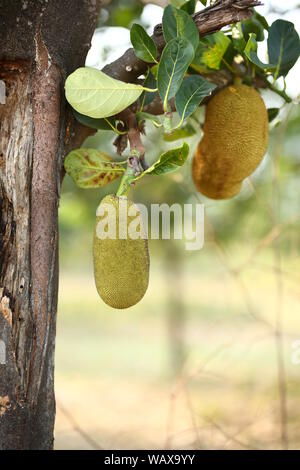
(134, 136)
(224, 12)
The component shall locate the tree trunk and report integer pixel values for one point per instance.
(40, 43)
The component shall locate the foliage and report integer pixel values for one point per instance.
(190, 95)
(177, 78)
(178, 24)
(283, 46)
(143, 44)
(169, 161)
(211, 50)
(176, 58)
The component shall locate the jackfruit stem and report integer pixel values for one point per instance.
(237, 81)
(231, 69)
(126, 181)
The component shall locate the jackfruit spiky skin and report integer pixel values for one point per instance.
(203, 176)
(121, 266)
(236, 133)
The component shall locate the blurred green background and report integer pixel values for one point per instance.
(208, 358)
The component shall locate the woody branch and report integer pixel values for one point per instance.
(222, 13)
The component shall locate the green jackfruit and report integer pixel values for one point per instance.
(121, 266)
(209, 183)
(236, 132)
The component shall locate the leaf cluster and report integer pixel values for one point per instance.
(182, 77)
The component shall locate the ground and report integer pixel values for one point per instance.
(113, 384)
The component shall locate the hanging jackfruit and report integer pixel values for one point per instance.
(121, 262)
(235, 140)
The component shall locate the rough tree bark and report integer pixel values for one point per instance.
(40, 42)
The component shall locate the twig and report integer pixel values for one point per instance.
(236, 276)
(292, 276)
(137, 151)
(170, 416)
(181, 384)
(280, 355)
(279, 340)
(267, 240)
(77, 428)
(232, 438)
(134, 134)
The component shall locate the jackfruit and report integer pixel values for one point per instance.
(236, 133)
(121, 264)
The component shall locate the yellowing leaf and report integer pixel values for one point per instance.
(91, 168)
(211, 50)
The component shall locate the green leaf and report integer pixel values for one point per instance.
(204, 2)
(99, 124)
(95, 94)
(141, 116)
(283, 46)
(183, 132)
(273, 113)
(211, 50)
(91, 168)
(178, 24)
(189, 6)
(253, 26)
(176, 57)
(143, 44)
(250, 53)
(169, 161)
(154, 70)
(262, 20)
(190, 95)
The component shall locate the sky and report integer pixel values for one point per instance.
(109, 43)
